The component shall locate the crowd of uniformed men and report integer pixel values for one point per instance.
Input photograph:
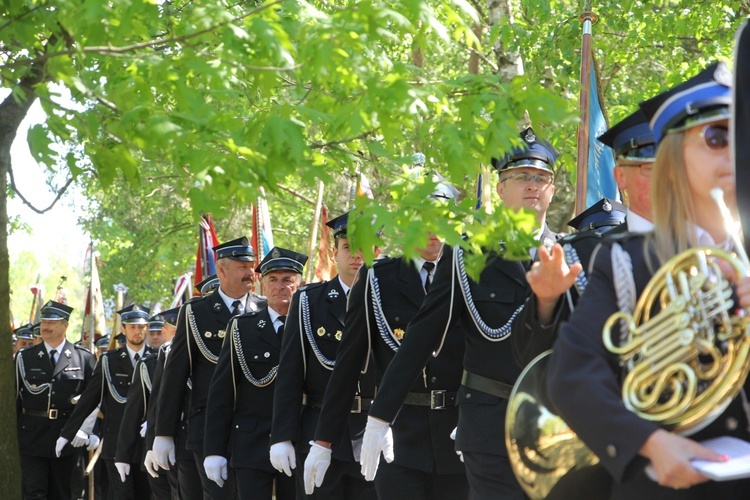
(253, 396)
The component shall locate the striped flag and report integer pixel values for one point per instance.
(262, 237)
(205, 259)
(93, 319)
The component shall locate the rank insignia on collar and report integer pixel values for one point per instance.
(262, 323)
(333, 293)
(222, 334)
(398, 333)
(67, 353)
(41, 354)
(217, 307)
(321, 331)
(208, 335)
(338, 335)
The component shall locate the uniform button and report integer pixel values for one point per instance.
(468, 395)
(732, 423)
(492, 295)
(237, 426)
(611, 451)
(397, 318)
(255, 357)
(267, 355)
(433, 379)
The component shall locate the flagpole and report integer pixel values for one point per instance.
(588, 19)
(314, 232)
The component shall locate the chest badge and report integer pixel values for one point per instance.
(40, 355)
(208, 335)
(333, 294)
(123, 354)
(221, 334)
(338, 335)
(262, 323)
(217, 307)
(399, 334)
(321, 331)
(67, 353)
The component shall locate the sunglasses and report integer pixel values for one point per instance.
(715, 136)
(524, 178)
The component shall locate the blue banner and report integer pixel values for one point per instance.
(600, 178)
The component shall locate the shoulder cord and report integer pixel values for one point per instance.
(108, 377)
(145, 377)
(197, 336)
(237, 346)
(491, 334)
(21, 370)
(571, 257)
(307, 327)
(622, 275)
(383, 327)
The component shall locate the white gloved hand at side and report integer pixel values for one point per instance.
(151, 465)
(316, 465)
(59, 445)
(123, 469)
(453, 437)
(216, 469)
(282, 457)
(164, 453)
(80, 439)
(378, 439)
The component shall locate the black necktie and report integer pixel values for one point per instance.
(283, 322)
(236, 308)
(428, 266)
(136, 357)
(52, 358)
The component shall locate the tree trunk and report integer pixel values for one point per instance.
(12, 111)
(509, 62)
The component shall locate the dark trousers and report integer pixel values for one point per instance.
(45, 478)
(343, 481)
(211, 490)
(395, 482)
(258, 485)
(135, 486)
(190, 487)
(491, 476)
(160, 488)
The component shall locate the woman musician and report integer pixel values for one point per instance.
(690, 127)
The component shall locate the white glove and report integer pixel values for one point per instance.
(216, 469)
(81, 439)
(144, 426)
(283, 458)
(59, 445)
(93, 442)
(123, 469)
(378, 438)
(453, 437)
(163, 449)
(316, 465)
(150, 464)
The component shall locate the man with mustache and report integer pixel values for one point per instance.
(49, 377)
(201, 328)
(109, 390)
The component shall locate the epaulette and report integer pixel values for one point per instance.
(623, 237)
(81, 348)
(149, 355)
(195, 299)
(385, 261)
(312, 286)
(570, 238)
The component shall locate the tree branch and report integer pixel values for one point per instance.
(153, 44)
(26, 202)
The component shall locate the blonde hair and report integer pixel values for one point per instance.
(671, 199)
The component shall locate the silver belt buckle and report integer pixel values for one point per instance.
(52, 414)
(437, 400)
(357, 406)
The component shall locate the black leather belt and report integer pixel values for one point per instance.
(484, 384)
(436, 400)
(358, 405)
(52, 414)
